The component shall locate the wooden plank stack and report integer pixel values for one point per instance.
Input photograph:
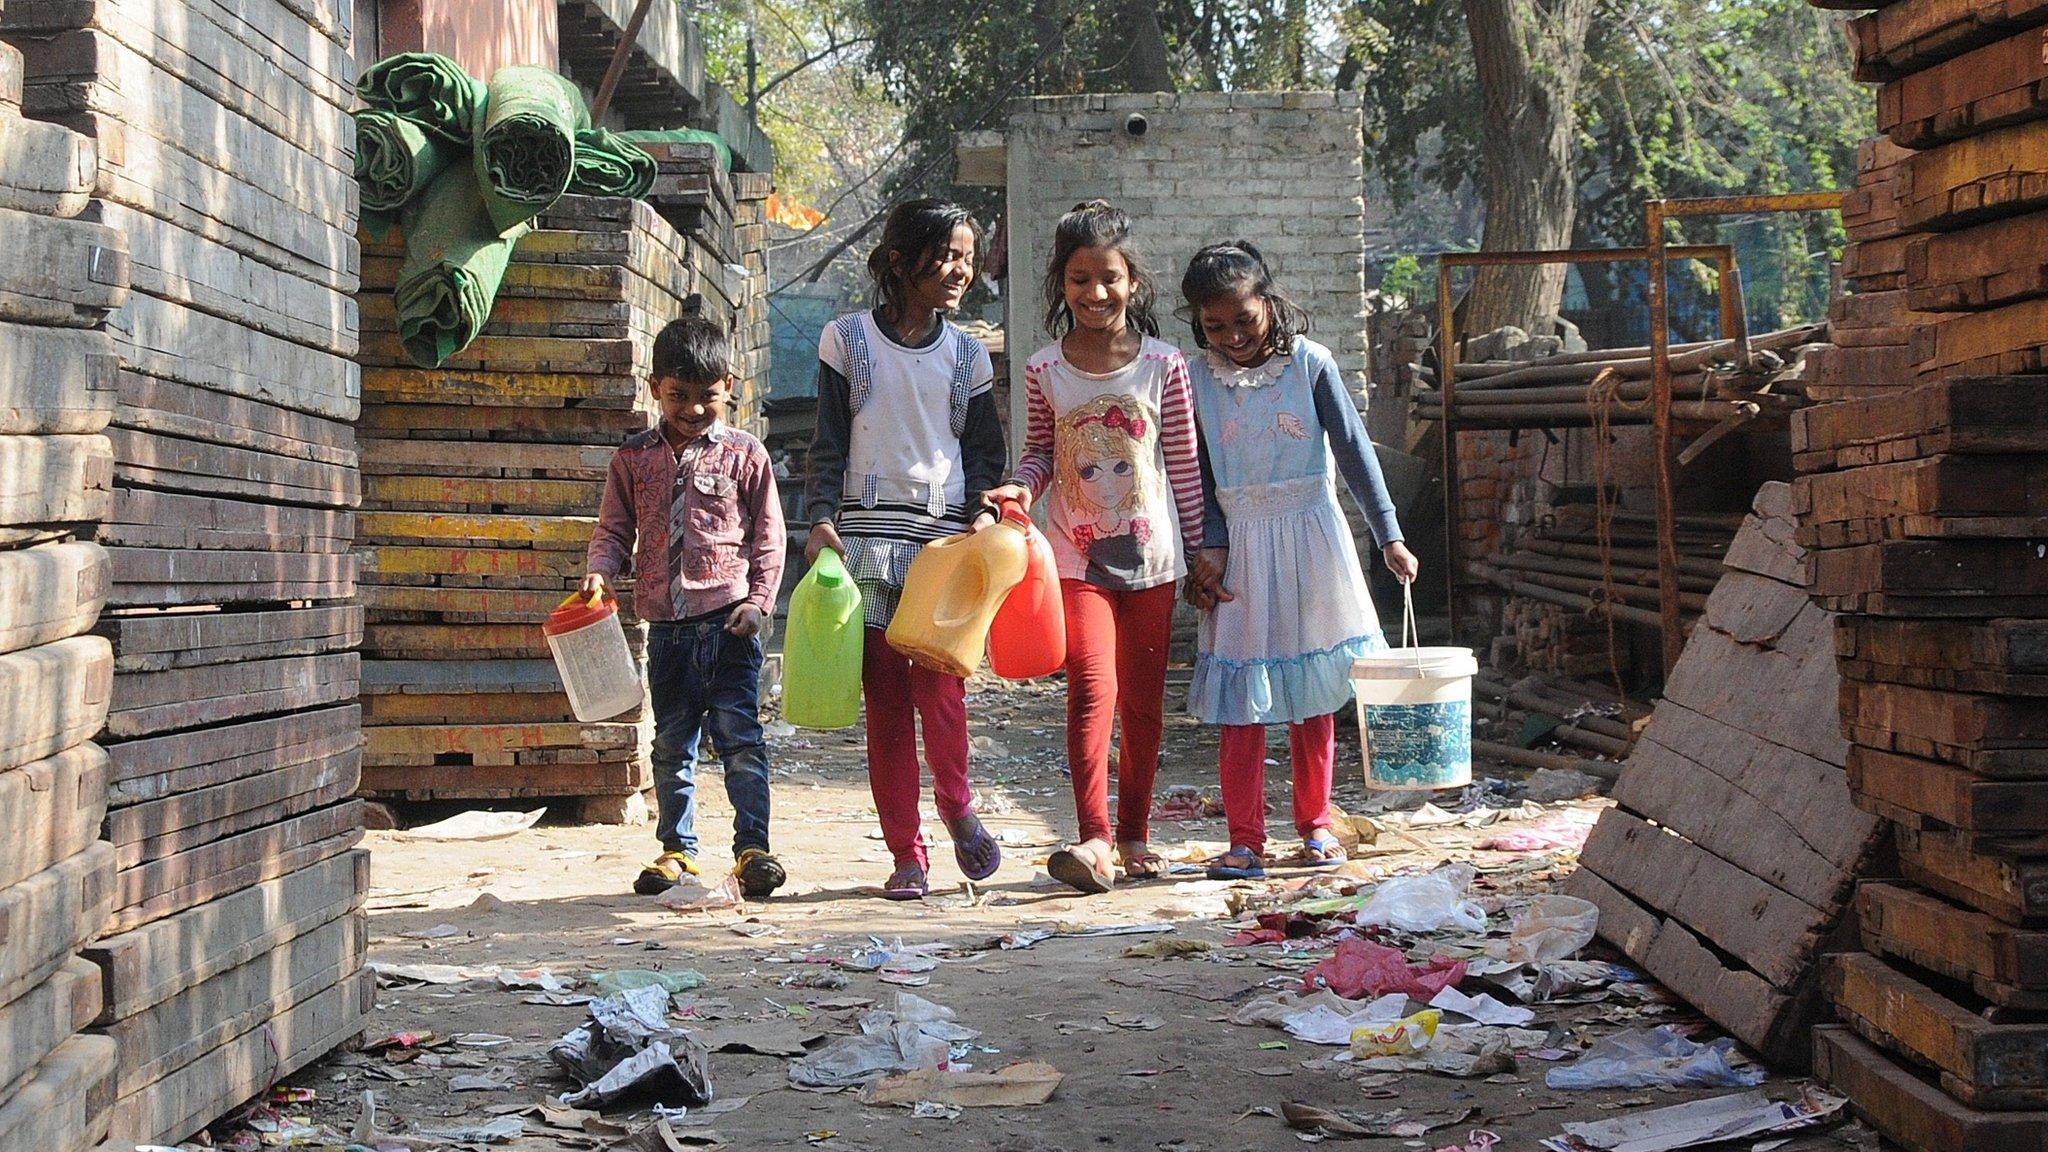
(1729, 862)
(482, 480)
(61, 276)
(1923, 504)
(224, 161)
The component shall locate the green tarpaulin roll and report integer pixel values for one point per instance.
(455, 258)
(428, 89)
(526, 142)
(607, 165)
(683, 136)
(395, 159)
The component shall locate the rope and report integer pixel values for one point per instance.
(1603, 396)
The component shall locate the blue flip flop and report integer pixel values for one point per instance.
(1240, 863)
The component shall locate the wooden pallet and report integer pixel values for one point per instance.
(40, 1022)
(506, 422)
(149, 703)
(55, 381)
(47, 480)
(58, 695)
(178, 465)
(148, 965)
(466, 782)
(159, 642)
(482, 530)
(188, 879)
(54, 808)
(1981, 415)
(1913, 35)
(2002, 83)
(46, 169)
(54, 591)
(171, 263)
(165, 1037)
(160, 766)
(480, 742)
(2008, 339)
(173, 408)
(480, 641)
(168, 341)
(1876, 265)
(1980, 1063)
(1977, 268)
(144, 518)
(2005, 965)
(64, 1106)
(2001, 657)
(1998, 173)
(1915, 791)
(69, 273)
(1999, 736)
(217, 1082)
(1956, 577)
(1911, 1112)
(2012, 889)
(154, 829)
(1939, 486)
(50, 914)
(167, 578)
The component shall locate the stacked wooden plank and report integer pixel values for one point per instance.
(1923, 503)
(482, 480)
(58, 279)
(752, 328)
(224, 158)
(1730, 859)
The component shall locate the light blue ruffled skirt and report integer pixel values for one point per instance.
(1281, 651)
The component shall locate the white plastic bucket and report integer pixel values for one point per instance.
(596, 667)
(1415, 713)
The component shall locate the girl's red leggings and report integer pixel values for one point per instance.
(1116, 670)
(898, 695)
(1314, 747)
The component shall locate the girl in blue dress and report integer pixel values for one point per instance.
(1284, 598)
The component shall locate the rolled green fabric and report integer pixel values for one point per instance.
(427, 88)
(525, 148)
(455, 258)
(609, 166)
(395, 159)
(682, 136)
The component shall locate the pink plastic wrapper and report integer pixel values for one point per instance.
(1559, 831)
(1362, 969)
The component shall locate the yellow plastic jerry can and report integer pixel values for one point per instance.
(952, 592)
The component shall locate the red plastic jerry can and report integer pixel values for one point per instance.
(1028, 637)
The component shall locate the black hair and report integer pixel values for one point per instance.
(1221, 270)
(914, 235)
(1097, 224)
(693, 347)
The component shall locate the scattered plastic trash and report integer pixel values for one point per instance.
(628, 1048)
(916, 1034)
(439, 974)
(1482, 1008)
(1166, 947)
(477, 825)
(1553, 927)
(1345, 1124)
(1700, 1122)
(437, 932)
(1564, 831)
(1398, 1038)
(1323, 1024)
(538, 979)
(1427, 903)
(1477, 1140)
(628, 979)
(1463, 1052)
(502, 1130)
(473, 1083)
(694, 897)
(1186, 802)
(1014, 1086)
(1661, 1058)
(1361, 968)
(1555, 785)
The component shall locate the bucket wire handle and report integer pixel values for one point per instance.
(1411, 635)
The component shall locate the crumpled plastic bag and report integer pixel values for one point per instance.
(1552, 928)
(1361, 968)
(1463, 1052)
(628, 979)
(917, 1034)
(1323, 1024)
(628, 1048)
(1430, 902)
(1657, 1059)
(1564, 831)
(1401, 1037)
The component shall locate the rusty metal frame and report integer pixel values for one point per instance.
(1732, 328)
(1656, 214)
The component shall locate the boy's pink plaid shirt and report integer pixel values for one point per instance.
(714, 541)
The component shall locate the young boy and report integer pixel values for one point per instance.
(692, 502)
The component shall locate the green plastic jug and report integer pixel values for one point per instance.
(821, 650)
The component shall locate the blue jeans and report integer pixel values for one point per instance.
(704, 680)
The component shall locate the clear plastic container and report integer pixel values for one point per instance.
(589, 646)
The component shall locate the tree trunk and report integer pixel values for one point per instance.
(1145, 67)
(1528, 56)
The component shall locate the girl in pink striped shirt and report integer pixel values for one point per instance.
(1110, 430)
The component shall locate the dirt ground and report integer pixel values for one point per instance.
(1149, 1056)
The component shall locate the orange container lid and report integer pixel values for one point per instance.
(579, 611)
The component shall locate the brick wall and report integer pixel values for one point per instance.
(1282, 169)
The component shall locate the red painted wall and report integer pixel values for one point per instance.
(481, 35)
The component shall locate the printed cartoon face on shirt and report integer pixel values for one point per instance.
(1104, 464)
